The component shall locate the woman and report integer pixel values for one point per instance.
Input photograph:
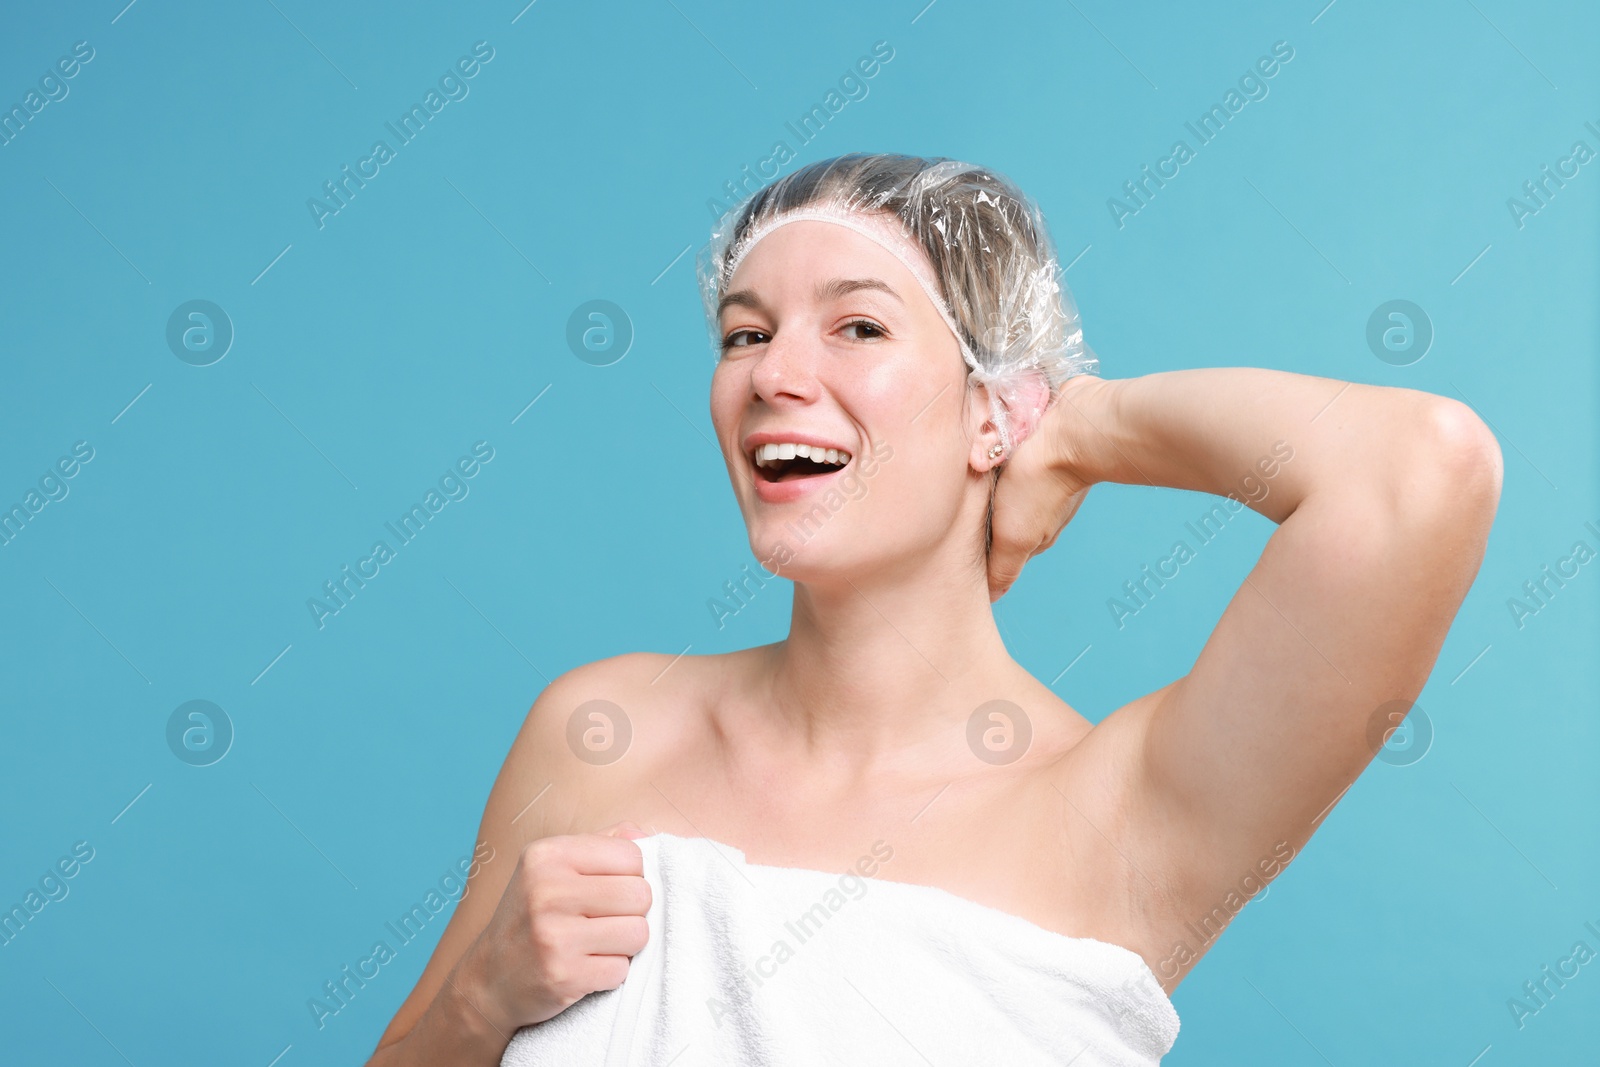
(904, 318)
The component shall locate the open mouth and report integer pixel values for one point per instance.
(791, 462)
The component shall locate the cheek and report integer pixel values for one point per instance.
(727, 394)
(921, 481)
(896, 399)
(919, 419)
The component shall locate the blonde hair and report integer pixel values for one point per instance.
(998, 276)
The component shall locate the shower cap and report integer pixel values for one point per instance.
(977, 245)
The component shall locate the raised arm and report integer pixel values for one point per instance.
(1383, 499)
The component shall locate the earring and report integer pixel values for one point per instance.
(995, 450)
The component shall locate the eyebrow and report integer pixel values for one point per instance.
(832, 289)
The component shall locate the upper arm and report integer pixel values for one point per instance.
(538, 792)
(1344, 613)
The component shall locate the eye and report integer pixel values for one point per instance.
(875, 331)
(742, 339)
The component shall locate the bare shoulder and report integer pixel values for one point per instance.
(591, 737)
(601, 730)
(599, 692)
(636, 696)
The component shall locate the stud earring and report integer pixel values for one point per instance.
(995, 450)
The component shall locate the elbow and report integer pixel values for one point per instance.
(1469, 453)
(1460, 469)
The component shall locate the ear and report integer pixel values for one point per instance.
(987, 434)
(1024, 398)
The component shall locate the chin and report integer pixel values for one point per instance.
(800, 551)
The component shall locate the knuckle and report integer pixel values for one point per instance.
(535, 853)
(538, 896)
(545, 941)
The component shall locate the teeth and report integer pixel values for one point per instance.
(770, 455)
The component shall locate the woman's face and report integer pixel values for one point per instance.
(829, 341)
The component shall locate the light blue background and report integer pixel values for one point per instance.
(376, 350)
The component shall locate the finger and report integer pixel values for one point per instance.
(1005, 567)
(602, 972)
(625, 828)
(615, 894)
(604, 854)
(1008, 552)
(613, 935)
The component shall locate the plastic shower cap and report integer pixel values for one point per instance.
(976, 244)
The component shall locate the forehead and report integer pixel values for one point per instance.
(794, 256)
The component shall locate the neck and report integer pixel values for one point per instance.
(890, 662)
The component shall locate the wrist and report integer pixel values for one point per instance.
(1079, 432)
(454, 1028)
(472, 1001)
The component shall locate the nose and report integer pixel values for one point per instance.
(787, 369)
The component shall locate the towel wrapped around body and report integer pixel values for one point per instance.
(762, 966)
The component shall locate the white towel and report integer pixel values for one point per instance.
(762, 966)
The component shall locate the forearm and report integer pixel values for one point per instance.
(453, 1030)
(1268, 438)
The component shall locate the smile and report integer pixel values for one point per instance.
(787, 461)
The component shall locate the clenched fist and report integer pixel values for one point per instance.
(566, 925)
